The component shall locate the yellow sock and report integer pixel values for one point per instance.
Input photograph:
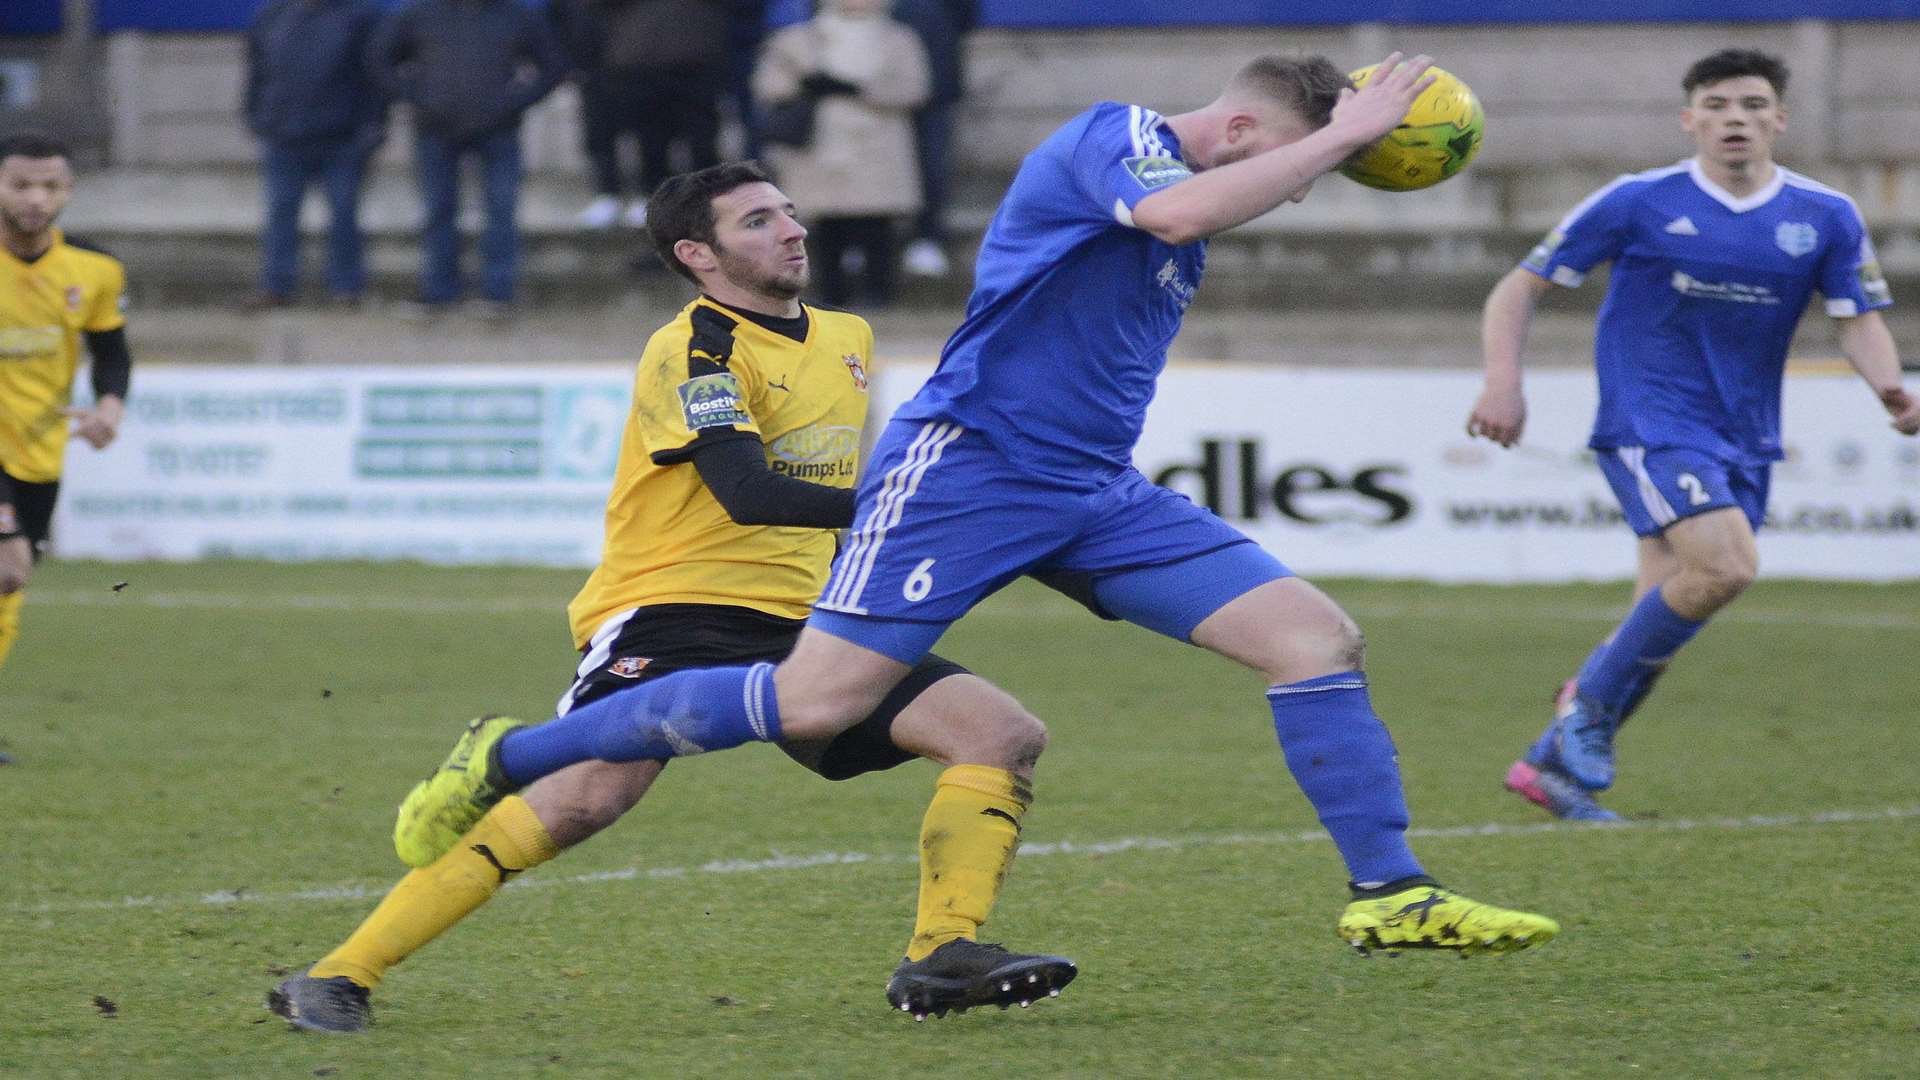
(967, 841)
(10, 622)
(426, 903)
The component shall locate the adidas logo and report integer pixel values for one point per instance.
(1682, 226)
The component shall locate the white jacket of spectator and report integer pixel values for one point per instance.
(861, 162)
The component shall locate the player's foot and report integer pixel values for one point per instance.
(1583, 742)
(337, 1005)
(1556, 793)
(440, 809)
(1430, 917)
(962, 974)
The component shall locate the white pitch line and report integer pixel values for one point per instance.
(1005, 608)
(779, 863)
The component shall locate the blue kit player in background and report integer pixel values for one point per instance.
(1016, 459)
(1714, 260)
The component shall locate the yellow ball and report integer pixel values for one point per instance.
(1440, 135)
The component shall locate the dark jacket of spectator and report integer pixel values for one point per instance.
(582, 36)
(663, 35)
(306, 78)
(469, 68)
(941, 24)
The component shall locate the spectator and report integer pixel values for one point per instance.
(746, 29)
(866, 73)
(470, 69)
(667, 60)
(319, 118)
(582, 36)
(942, 26)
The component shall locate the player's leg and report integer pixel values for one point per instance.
(1224, 594)
(1696, 518)
(518, 834)
(916, 560)
(988, 744)
(26, 528)
(455, 878)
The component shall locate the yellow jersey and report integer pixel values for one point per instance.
(713, 374)
(45, 305)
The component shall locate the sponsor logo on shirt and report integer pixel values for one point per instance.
(713, 401)
(1169, 278)
(629, 667)
(1542, 253)
(818, 453)
(1736, 292)
(1796, 238)
(1682, 226)
(28, 342)
(1874, 284)
(1157, 171)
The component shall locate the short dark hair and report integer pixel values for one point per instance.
(681, 208)
(1309, 85)
(1732, 64)
(32, 144)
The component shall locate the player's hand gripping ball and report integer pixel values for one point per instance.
(1440, 135)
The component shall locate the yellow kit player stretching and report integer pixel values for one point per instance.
(53, 290)
(737, 462)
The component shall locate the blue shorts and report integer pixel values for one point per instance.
(945, 520)
(1660, 486)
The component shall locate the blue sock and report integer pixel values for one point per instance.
(1619, 676)
(687, 712)
(1342, 757)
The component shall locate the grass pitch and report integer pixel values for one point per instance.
(210, 757)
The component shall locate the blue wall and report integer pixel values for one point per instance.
(43, 16)
(1332, 12)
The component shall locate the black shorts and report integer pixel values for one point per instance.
(32, 509)
(658, 640)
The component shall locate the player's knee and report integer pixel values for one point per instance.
(822, 715)
(1327, 649)
(1727, 577)
(1017, 741)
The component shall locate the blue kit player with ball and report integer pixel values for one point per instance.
(1016, 459)
(1714, 260)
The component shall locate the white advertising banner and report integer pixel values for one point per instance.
(1370, 473)
(1339, 472)
(454, 465)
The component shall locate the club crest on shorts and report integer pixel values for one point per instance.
(1796, 238)
(8, 522)
(629, 667)
(856, 369)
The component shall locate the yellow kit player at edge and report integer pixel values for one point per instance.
(53, 291)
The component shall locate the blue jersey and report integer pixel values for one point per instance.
(1073, 307)
(1706, 291)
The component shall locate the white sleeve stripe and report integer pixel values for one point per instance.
(1588, 203)
(1842, 308)
(1133, 130)
(1123, 215)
